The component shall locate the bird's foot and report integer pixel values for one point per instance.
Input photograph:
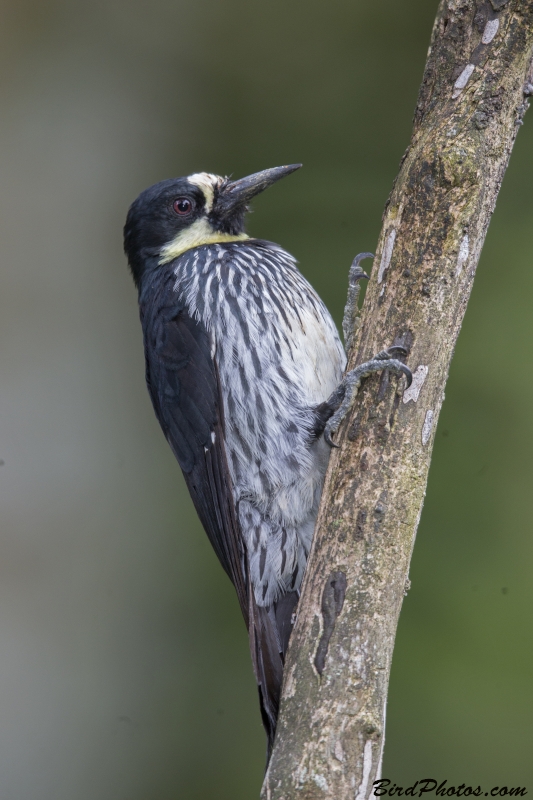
(351, 310)
(346, 392)
(395, 351)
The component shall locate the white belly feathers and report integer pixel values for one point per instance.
(278, 355)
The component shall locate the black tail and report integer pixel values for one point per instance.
(269, 630)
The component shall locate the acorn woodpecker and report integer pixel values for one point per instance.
(244, 367)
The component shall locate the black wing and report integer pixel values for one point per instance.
(184, 385)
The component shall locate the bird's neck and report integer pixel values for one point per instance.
(197, 234)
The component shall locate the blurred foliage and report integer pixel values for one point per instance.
(124, 667)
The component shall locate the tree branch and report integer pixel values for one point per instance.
(478, 75)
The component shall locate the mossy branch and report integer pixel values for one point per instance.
(478, 76)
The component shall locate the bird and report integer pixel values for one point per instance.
(245, 370)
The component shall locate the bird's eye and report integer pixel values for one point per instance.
(182, 206)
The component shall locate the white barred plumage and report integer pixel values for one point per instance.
(279, 356)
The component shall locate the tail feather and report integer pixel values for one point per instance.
(269, 631)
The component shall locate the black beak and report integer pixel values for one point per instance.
(237, 194)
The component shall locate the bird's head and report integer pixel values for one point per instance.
(181, 213)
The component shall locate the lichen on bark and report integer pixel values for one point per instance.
(473, 96)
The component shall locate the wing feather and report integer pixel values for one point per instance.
(183, 382)
(184, 386)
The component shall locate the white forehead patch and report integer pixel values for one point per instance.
(207, 183)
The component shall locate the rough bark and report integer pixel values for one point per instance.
(478, 75)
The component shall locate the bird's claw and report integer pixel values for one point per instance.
(352, 382)
(328, 430)
(395, 351)
(356, 274)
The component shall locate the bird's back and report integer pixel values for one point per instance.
(278, 356)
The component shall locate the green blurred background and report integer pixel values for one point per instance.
(124, 665)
